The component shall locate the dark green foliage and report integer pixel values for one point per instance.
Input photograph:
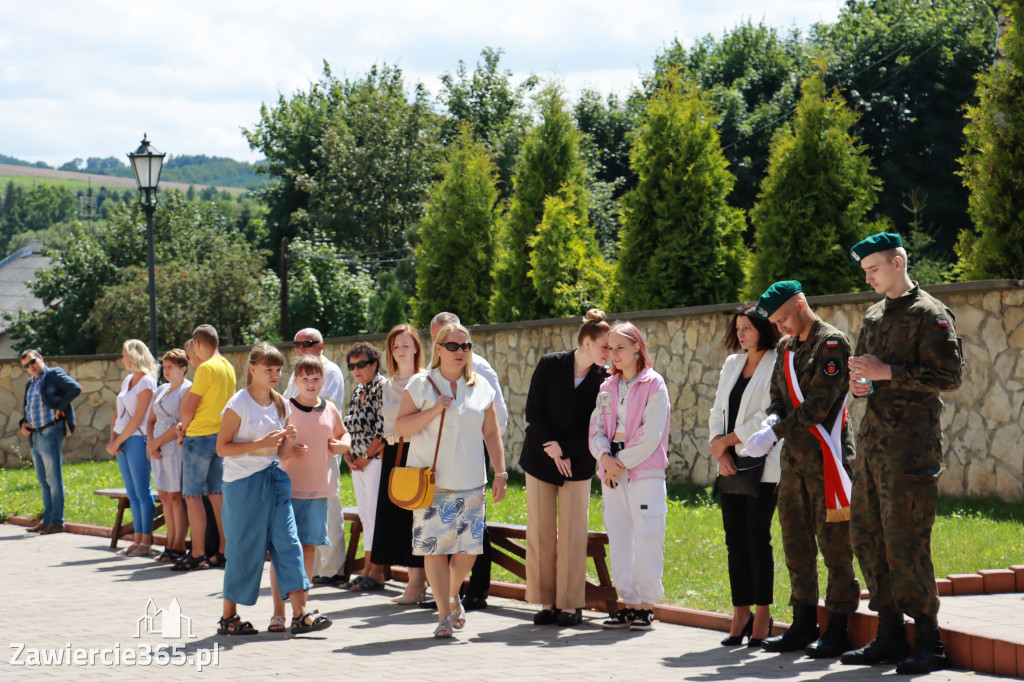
(325, 290)
(36, 209)
(566, 266)
(993, 163)
(97, 279)
(682, 244)
(495, 108)
(456, 237)
(550, 159)
(815, 198)
(908, 67)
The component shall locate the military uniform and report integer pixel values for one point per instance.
(821, 368)
(895, 485)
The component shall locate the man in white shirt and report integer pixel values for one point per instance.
(480, 577)
(329, 561)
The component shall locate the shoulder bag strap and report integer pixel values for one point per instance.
(441, 427)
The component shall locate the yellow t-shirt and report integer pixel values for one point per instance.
(214, 384)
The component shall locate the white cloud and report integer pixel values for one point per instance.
(86, 79)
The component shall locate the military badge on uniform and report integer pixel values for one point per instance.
(943, 322)
(831, 344)
(831, 368)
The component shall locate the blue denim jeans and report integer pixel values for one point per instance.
(47, 446)
(202, 469)
(135, 471)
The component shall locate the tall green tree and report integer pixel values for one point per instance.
(682, 244)
(493, 105)
(993, 163)
(566, 266)
(36, 209)
(909, 68)
(549, 160)
(815, 198)
(455, 252)
(325, 289)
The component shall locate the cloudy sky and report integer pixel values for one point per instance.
(81, 79)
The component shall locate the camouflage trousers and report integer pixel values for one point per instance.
(804, 532)
(891, 519)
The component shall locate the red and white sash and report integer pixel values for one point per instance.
(837, 482)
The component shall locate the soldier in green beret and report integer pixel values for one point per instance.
(808, 409)
(907, 353)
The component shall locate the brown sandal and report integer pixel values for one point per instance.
(276, 624)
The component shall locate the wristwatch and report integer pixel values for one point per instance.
(502, 474)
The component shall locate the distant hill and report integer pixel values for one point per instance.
(199, 170)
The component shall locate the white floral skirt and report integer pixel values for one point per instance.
(453, 524)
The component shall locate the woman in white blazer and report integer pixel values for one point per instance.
(748, 504)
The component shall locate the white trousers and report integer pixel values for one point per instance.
(367, 484)
(634, 518)
(330, 561)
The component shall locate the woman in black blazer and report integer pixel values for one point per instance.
(558, 467)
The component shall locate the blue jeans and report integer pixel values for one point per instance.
(135, 471)
(202, 469)
(47, 446)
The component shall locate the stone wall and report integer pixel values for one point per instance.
(984, 420)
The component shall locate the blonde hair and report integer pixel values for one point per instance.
(139, 357)
(395, 332)
(265, 354)
(467, 369)
(308, 364)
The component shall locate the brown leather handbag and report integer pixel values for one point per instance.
(413, 487)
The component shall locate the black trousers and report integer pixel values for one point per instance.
(748, 538)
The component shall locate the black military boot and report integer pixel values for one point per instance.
(802, 632)
(833, 641)
(929, 654)
(889, 645)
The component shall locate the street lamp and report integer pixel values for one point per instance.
(146, 164)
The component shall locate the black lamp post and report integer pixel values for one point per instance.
(146, 164)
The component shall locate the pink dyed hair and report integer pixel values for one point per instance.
(629, 330)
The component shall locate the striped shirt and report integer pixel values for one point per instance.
(37, 412)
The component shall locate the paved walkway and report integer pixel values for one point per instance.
(69, 594)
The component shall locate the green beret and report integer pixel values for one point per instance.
(883, 241)
(777, 294)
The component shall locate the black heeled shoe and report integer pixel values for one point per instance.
(744, 633)
(755, 641)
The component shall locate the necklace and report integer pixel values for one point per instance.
(624, 387)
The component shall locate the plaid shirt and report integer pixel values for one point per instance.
(37, 412)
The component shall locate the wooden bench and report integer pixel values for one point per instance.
(508, 543)
(122, 529)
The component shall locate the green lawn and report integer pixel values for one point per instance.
(970, 534)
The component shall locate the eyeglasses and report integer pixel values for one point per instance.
(451, 346)
(29, 363)
(359, 365)
(305, 344)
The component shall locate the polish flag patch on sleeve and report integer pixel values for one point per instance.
(942, 322)
(835, 344)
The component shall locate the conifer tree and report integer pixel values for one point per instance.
(549, 160)
(456, 247)
(567, 269)
(681, 243)
(993, 165)
(814, 198)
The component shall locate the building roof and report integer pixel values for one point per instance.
(17, 271)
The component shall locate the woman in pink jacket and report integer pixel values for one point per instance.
(629, 438)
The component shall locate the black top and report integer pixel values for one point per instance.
(557, 410)
(734, 407)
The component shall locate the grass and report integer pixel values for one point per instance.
(970, 534)
(27, 182)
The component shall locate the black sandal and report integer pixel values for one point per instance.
(299, 624)
(218, 560)
(234, 625)
(191, 563)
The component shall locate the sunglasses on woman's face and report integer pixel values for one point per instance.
(359, 365)
(451, 346)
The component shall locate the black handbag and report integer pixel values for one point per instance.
(746, 480)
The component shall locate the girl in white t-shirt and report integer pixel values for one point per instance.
(258, 513)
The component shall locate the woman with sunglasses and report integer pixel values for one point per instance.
(629, 439)
(365, 421)
(453, 524)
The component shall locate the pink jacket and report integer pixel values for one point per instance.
(645, 453)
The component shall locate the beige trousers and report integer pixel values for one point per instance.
(556, 542)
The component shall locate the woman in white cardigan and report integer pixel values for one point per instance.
(748, 500)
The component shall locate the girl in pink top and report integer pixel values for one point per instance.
(320, 434)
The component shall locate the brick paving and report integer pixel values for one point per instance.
(69, 592)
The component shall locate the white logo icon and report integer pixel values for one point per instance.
(164, 622)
